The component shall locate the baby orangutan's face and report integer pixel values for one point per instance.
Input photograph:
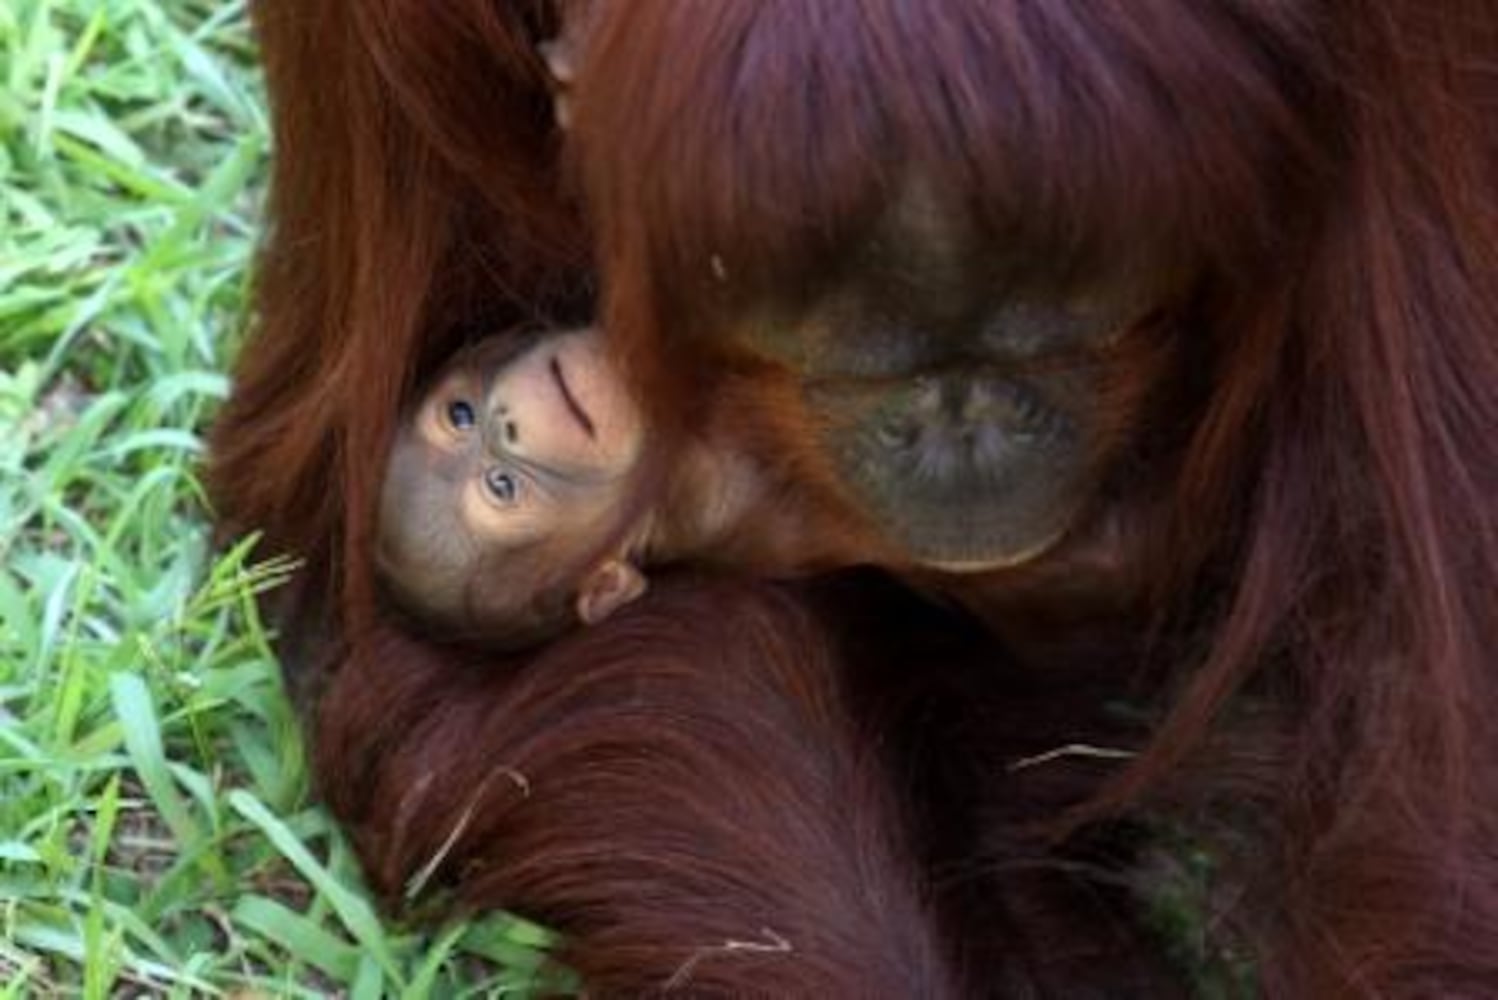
(511, 471)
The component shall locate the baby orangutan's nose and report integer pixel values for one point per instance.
(500, 430)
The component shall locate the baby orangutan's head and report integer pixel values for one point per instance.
(508, 505)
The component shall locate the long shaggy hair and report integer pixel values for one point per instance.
(1323, 553)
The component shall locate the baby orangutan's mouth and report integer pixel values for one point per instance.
(577, 411)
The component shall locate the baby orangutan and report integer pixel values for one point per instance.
(517, 501)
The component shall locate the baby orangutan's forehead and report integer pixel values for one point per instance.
(437, 568)
(520, 596)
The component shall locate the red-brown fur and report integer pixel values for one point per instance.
(1308, 577)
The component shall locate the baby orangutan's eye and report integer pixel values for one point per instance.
(501, 485)
(460, 415)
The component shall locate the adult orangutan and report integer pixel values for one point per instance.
(1149, 349)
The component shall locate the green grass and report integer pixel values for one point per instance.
(156, 831)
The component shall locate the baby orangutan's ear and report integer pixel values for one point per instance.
(609, 587)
